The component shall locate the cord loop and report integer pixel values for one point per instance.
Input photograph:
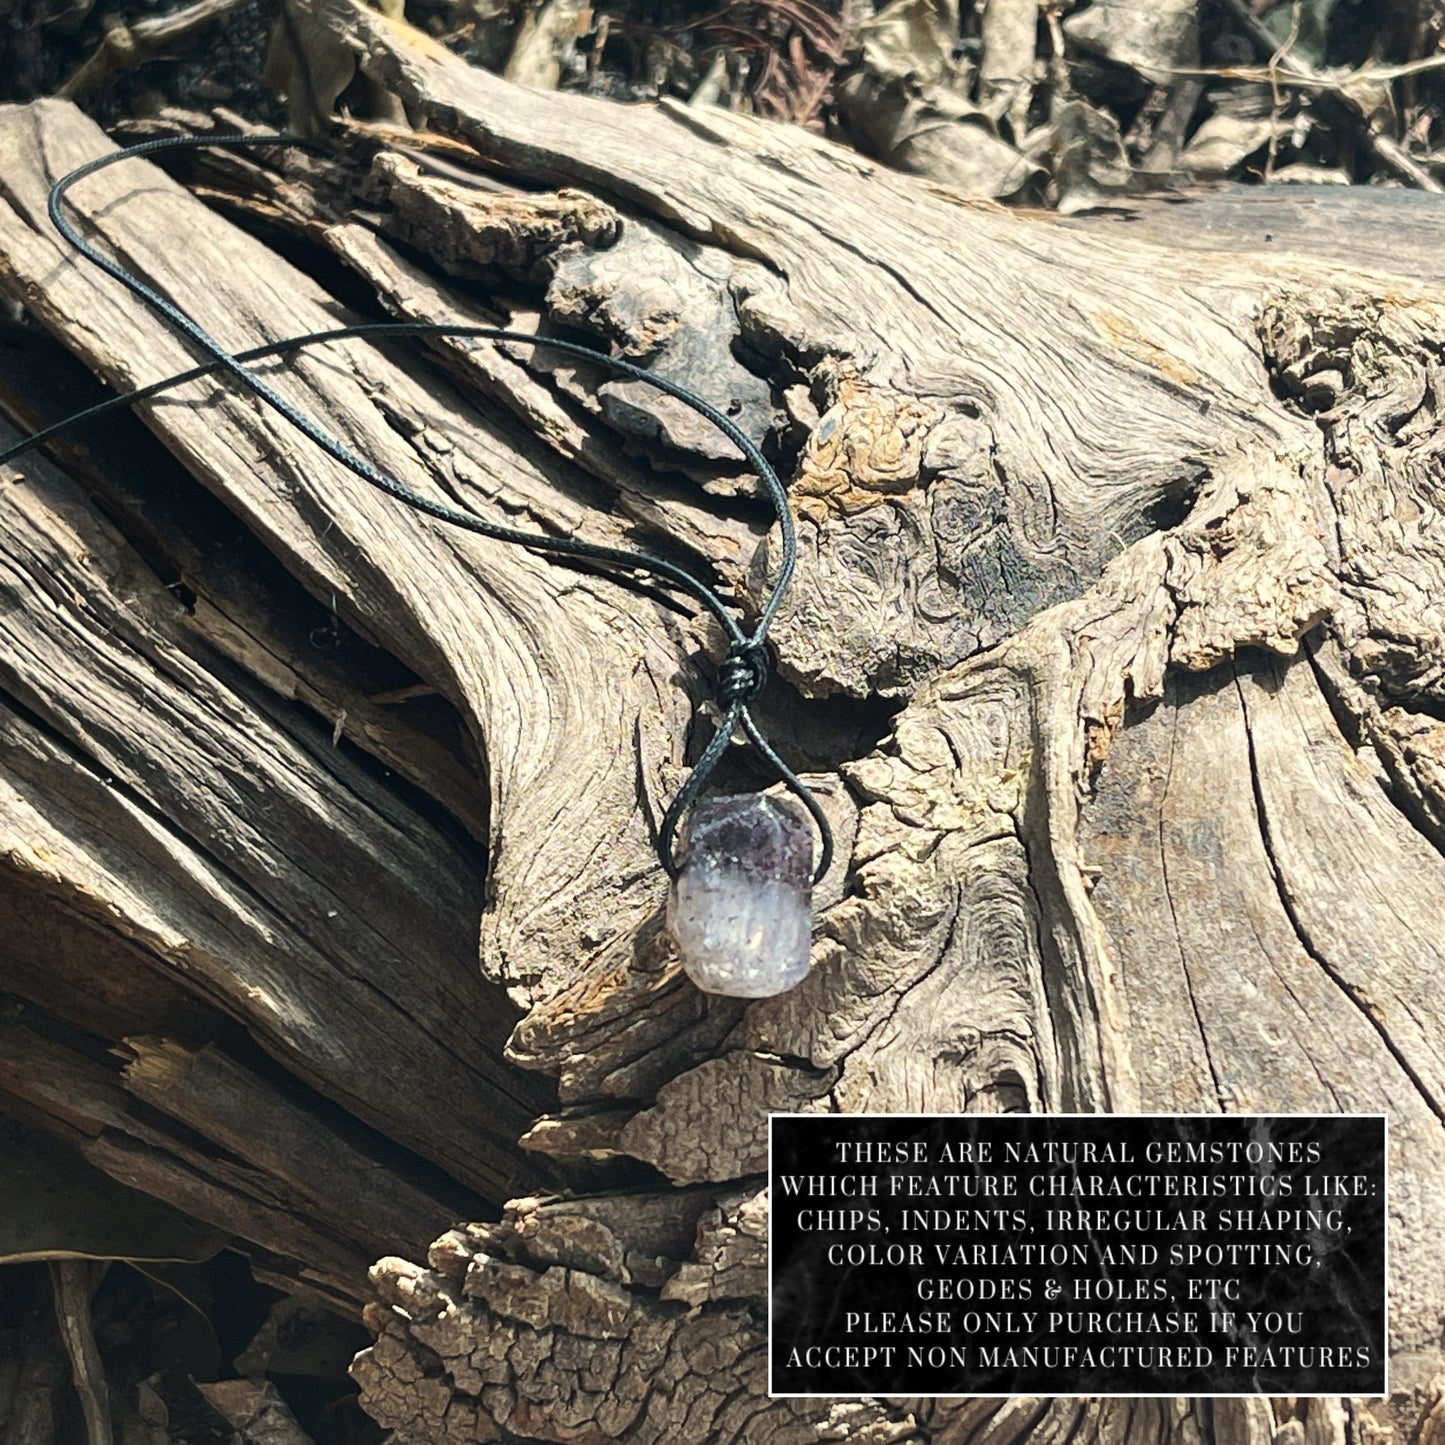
(743, 673)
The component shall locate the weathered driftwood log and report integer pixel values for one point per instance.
(1142, 523)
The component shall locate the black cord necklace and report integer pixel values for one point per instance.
(767, 845)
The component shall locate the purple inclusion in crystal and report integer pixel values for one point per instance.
(741, 908)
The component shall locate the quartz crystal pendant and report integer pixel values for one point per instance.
(741, 907)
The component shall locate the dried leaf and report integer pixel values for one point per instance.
(1010, 32)
(1224, 140)
(1307, 21)
(908, 105)
(913, 39)
(1153, 37)
(1300, 174)
(256, 1412)
(545, 43)
(309, 67)
(1090, 164)
(965, 156)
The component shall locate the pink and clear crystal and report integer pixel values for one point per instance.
(741, 907)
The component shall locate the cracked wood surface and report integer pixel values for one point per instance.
(487, 624)
(1004, 942)
(112, 715)
(1145, 532)
(1071, 412)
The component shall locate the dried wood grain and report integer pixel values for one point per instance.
(1147, 535)
(133, 754)
(467, 613)
(1049, 906)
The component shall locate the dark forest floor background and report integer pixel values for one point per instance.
(1055, 104)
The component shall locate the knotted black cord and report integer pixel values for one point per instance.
(742, 673)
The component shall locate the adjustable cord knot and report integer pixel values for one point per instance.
(742, 674)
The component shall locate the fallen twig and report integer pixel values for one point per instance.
(1386, 149)
(74, 1282)
(1312, 79)
(127, 46)
(1281, 54)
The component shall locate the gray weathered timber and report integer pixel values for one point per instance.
(1071, 370)
(300, 896)
(484, 623)
(1143, 531)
